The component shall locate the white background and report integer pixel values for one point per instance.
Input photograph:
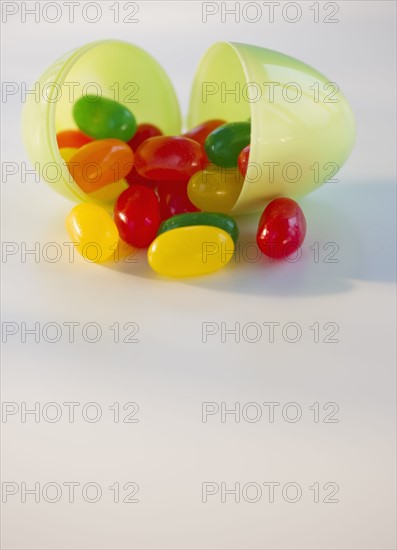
(170, 372)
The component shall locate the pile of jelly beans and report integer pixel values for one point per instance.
(171, 194)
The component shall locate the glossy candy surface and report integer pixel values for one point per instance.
(215, 189)
(243, 160)
(281, 229)
(169, 158)
(137, 215)
(143, 132)
(109, 193)
(215, 219)
(190, 251)
(174, 199)
(100, 163)
(134, 178)
(72, 138)
(101, 118)
(94, 231)
(67, 153)
(201, 132)
(225, 143)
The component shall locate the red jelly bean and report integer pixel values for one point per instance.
(243, 160)
(281, 229)
(200, 132)
(134, 178)
(169, 158)
(72, 138)
(143, 132)
(137, 215)
(174, 200)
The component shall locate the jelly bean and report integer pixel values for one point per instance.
(137, 215)
(190, 251)
(110, 192)
(223, 221)
(243, 160)
(103, 118)
(72, 138)
(281, 229)
(215, 189)
(225, 143)
(94, 231)
(67, 153)
(100, 163)
(201, 132)
(134, 178)
(143, 132)
(174, 200)
(169, 158)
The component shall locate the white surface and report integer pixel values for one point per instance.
(170, 372)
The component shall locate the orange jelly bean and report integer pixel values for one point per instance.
(101, 163)
(72, 138)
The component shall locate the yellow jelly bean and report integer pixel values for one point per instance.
(191, 250)
(67, 153)
(215, 189)
(93, 231)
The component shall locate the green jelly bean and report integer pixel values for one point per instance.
(225, 143)
(215, 219)
(102, 118)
